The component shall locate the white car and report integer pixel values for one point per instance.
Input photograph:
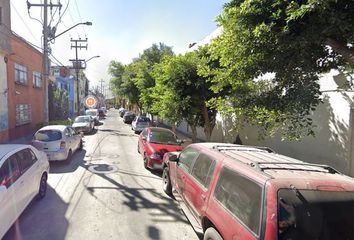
(94, 114)
(59, 142)
(84, 124)
(23, 176)
(139, 123)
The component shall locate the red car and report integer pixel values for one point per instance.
(231, 191)
(154, 142)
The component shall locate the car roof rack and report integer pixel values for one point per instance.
(242, 148)
(279, 162)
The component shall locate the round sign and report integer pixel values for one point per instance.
(90, 101)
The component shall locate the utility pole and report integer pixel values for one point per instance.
(46, 30)
(77, 65)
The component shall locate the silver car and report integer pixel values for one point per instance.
(84, 124)
(59, 142)
(139, 123)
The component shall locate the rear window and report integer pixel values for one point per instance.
(310, 214)
(241, 197)
(143, 119)
(48, 135)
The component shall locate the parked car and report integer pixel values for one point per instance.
(85, 124)
(101, 114)
(154, 142)
(59, 142)
(122, 112)
(232, 191)
(23, 176)
(139, 123)
(128, 117)
(94, 114)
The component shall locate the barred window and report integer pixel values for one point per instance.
(37, 79)
(23, 114)
(20, 74)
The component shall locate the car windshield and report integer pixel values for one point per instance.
(163, 138)
(92, 113)
(82, 119)
(48, 135)
(309, 214)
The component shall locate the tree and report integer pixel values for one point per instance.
(144, 79)
(288, 39)
(181, 94)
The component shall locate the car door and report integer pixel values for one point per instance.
(197, 183)
(76, 138)
(30, 171)
(184, 164)
(12, 201)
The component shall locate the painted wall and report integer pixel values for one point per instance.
(5, 51)
(28, 56)
(333, 143)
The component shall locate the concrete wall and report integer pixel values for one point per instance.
(28, 56)
(334, 121)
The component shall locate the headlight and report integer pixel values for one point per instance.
(155, 156)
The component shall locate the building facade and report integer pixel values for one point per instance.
(5, 52)
(25, 88)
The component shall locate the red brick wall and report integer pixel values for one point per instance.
(29, 57)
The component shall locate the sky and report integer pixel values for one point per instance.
(121, 29)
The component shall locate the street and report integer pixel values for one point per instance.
(104, 193)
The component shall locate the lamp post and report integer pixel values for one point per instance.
(82, 23)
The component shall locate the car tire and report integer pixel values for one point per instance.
(166, 182)
(212, 234)
(81, 145)
(42, 191)
(145, 161)
(70, 154)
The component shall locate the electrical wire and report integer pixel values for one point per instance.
(61, 15)
(29, 14)
(72, 19)
(78, 11)
(23, 21)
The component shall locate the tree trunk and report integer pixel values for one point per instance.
(194, 133)
(342, 49)
(207, 127)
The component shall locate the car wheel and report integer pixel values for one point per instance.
(42, 187)
(212, 234)
(81, 145)
(145, 161)
(70, 154)
(166, 182)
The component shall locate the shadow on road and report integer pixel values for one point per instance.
(42, 219)
(65, 166)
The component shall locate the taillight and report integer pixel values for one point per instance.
(62, 145)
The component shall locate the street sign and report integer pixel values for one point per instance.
(90, 101)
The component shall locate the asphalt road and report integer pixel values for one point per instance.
(104, 193)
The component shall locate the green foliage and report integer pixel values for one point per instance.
(287, 39)
(60, 104)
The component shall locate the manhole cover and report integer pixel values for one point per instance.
(102, 168)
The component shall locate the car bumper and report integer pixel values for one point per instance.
(60, 155)
(83, 129)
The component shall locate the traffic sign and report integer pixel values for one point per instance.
(91, 101)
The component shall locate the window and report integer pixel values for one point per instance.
(241, 197)
(9, 171)
(26, 159)
(48, 135)
(23, 114)
(203, 169)
(37, 79)
(186, 158)
(20, 74)
(145, 133)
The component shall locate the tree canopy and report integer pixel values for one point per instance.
(287, 42)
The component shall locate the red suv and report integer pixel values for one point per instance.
(233, 191)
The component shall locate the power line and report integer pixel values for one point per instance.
(23, 21)
(72, 19)
(78, 11)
